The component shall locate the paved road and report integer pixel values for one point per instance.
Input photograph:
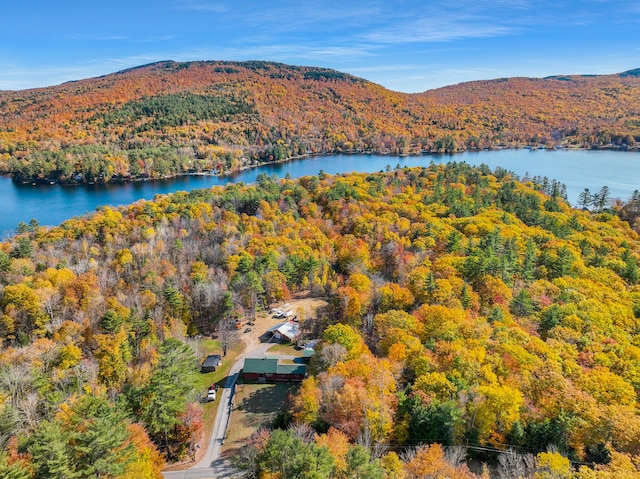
(212, 466)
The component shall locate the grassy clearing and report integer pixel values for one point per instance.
(256, 405)
(285, 349)
(219, 377)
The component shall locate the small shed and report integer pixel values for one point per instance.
(211, 363)
(270, 369)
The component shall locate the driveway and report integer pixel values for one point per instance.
(212, 466)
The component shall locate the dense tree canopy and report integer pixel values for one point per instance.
(508, 321)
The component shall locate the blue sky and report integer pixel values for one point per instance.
(405, 45)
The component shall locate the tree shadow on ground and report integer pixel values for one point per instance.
(267, 400)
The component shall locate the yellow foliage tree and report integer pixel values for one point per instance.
(494, 409)
(552, 465)
(393, 296)
(306, 403)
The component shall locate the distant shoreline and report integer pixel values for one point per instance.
(120, 180)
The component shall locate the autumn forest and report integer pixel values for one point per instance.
(477, 325)
(171, 118)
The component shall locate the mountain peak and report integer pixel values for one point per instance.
(631, 73)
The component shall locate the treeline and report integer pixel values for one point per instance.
(244, 113)
(467, 308)
(98, 164)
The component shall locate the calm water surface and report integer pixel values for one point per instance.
(51, 205)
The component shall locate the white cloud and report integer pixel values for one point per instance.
(439, 28)
(201, 5)
(17, 77)
(117, 38)
(94, 38)
(419, 78)
(283, 52)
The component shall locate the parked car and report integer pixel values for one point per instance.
(211, 395)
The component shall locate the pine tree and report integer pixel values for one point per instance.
(98, 437)
(51, 451)
(529, 261)
(601, 198)
(585, 199)
(522, 304)
(465, 297)
(169, 387)
(287, 456)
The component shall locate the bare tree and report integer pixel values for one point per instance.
(15, 381)
(227, 334)
(303, 431)
(408, 455)
(456, 455)
(328, 355)
(246, 459)
(29, 414)
(513, 465)
(366, 439)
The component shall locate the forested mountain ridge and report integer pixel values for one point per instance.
(170, 118)
(467, 307)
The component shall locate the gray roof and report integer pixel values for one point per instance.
(212, 360)
(289, 330)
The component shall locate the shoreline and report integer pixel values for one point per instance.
(120, 181)
(578, 169)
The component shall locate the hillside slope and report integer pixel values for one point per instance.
(466, 308)
(169, 118)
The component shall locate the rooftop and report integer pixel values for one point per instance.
(271, 366)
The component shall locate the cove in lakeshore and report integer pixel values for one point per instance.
(577, 169)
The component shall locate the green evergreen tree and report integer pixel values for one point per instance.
(585, 199)
(522, 304)
(294, 459)
(91, 439)
(5, 262)
(601, 198)
(433, 423)
(52, 453)
(465, 297)
(169, 388)
(360, 465)
(98, 437)
(23, 248)
(561, 266)
(529, 259)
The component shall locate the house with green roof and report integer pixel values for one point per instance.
(271, 369)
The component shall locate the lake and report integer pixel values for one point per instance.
(52, 204)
